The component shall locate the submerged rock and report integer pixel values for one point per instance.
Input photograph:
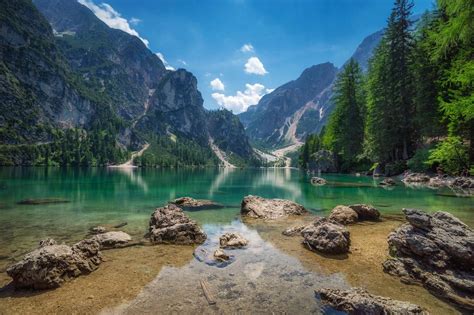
(188, 203)
(258, 207)
(366, 212)
(294, 230)
(97, 230)
(436, 251)
(169, 224)
(343, 215)
(359, 301)
(387, 182)
(326, 237)
(232, 240)
(318, 181)
(42, 201)
(50, 265)
(112, 239)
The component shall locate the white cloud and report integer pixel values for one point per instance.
(241, 100)
(135, 21)
(112, 18)
(255, 66)
(247, 48)
(182, 62)
(167, 65)
(269, 90)
(217, 85)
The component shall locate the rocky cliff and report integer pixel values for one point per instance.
(300, 107)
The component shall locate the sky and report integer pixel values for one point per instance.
(239, 50)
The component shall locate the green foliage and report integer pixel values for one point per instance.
(451, 154)
(345, 131)
(312, 144)
(419, 161)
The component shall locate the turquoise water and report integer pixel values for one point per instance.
(101, 196)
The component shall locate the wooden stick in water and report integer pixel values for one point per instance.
(207, 292)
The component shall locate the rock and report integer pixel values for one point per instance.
(169, 224)
(220, 255)
(118, 226)
(366, 212)
(188, 203)
(343, 215)
(97, 230)
(359, 301)
(258, 207)
(326, 237)
(387, 182)
(436, 251)
(47, 242)
(112, 239)
(294, 230)
(318, 181)
(42, 201)
(463, 183)
(232, 240)
(439, 181)
(50, 265)
(414, 178)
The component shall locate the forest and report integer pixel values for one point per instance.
(414, 108)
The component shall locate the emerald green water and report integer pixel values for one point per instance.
(101, 196)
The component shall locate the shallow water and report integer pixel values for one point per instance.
(273, 274)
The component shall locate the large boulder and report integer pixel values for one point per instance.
(327, 237)
(232, 239)
(188, 203)
(112, 239)
(258, 207)
(169, 224)
(50, 265)
(436, 251)
(343, 215)
(463, 183)
(366, 212)
(359, 301)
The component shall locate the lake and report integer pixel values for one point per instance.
(273, 273)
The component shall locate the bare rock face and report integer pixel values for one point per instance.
(50, 265)
(188, 203)
(366, 212)
(343, 215)
(327, 237)
(112, 239)
(232, 240)
(169, 224)
(258, 207)
(359, 301)
(436, 251)
(318, 181)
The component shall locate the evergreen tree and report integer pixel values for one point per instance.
(345, 132)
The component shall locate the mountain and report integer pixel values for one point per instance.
(73, 87)
(300, 107)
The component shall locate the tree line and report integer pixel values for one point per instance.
(414, 107)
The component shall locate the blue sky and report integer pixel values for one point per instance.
(283, 38)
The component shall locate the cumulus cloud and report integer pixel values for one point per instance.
(112, 18)
(247, 48)
(255, 66)
(241, 100)
(167, 65)
(217, 85)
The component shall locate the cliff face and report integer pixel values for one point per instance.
(300, 107)
(37, 90)
(71, 70)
